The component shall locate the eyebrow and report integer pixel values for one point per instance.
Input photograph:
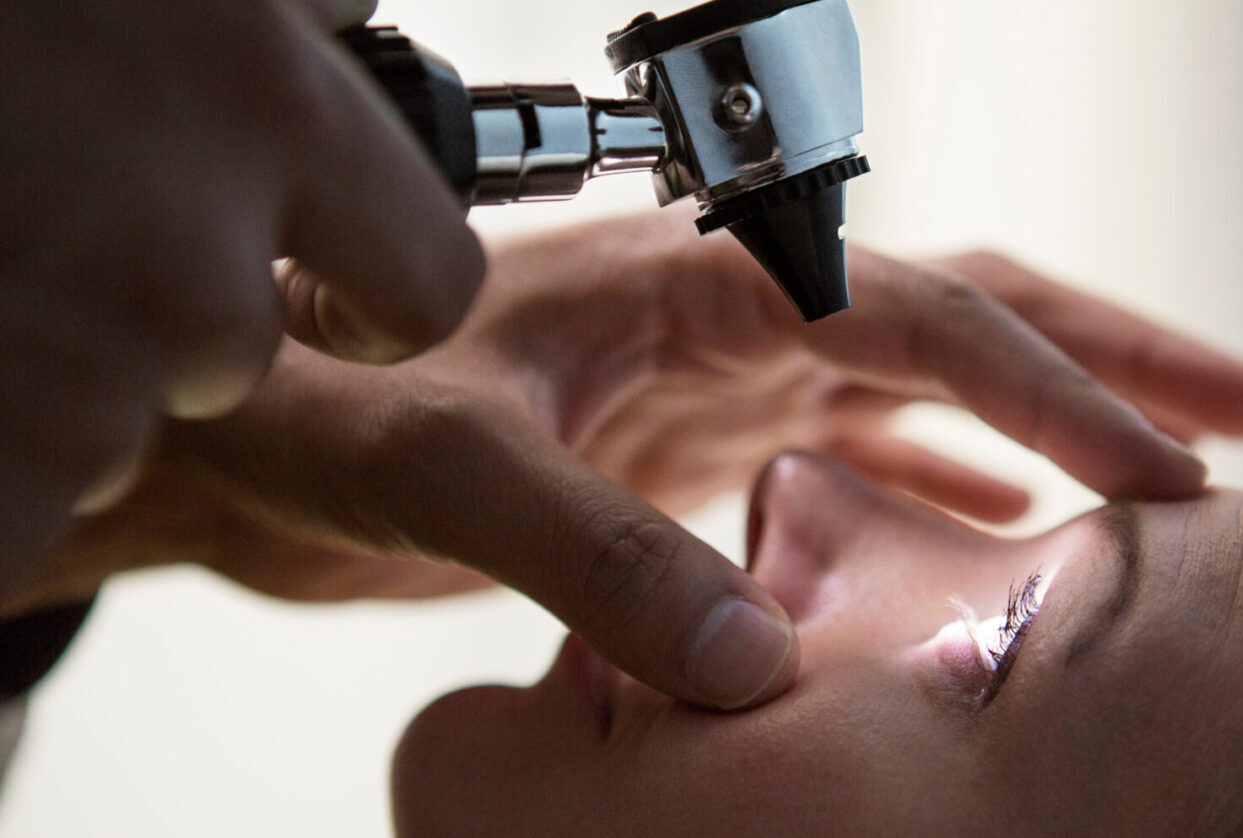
(1122, 527)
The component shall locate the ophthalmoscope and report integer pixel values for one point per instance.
(751, 106)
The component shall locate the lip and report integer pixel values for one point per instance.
(592, 678)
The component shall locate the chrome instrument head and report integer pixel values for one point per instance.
(761, 101)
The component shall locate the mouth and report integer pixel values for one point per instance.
(593, 679)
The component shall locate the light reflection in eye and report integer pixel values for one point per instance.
(1023, 603)
(997, 639)
(980, 631)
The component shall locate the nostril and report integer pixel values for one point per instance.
(781, 559)
(770, 484)
(796, 527)
(755, 527)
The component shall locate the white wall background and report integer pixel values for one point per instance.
(1098, 140)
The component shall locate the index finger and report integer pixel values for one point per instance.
(369, 213)
(928, 335)
(1185, 382)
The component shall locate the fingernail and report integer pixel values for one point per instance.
(740, 648)
(1196, 469)
(1141, 420)
(353, 12)
(348, 334)
(1176, 444)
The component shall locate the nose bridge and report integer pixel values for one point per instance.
(888, 590)
(861, 605)
(834, 548)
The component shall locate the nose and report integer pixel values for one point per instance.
(866, 563)
(824, 540)
(792, 537)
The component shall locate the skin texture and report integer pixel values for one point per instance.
(1135, 733)
(157, 157)
(610, 374)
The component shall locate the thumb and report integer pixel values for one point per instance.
(395, 463)
(649, 596)
(652, 598)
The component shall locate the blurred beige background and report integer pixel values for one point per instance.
(1099, 141)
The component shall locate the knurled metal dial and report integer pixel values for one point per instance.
(765, 198)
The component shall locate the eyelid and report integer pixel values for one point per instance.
(958, 663)
(1023, 606)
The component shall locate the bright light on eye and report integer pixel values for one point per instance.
(980, 632)
(985, 634)
(990, 635)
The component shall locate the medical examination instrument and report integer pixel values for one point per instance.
(750, 106)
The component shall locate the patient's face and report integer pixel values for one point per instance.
(1113, 711)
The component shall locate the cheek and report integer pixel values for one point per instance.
(846, 753)
(788, 562)
(734, 776)
(482, 762)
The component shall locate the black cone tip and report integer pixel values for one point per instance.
(799, 243)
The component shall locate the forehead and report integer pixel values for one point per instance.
(1187, 592)
(1149, 706)
(1199, 557)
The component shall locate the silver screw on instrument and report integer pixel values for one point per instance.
(740, 108)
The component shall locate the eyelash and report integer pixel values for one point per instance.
(1020, 610)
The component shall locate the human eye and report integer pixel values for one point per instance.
(1021, 608)
(979, 654)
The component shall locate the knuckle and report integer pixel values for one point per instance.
(951, 295)
(1010, 281)
(230, 329)
(626, 568)
(454, 437)
(942, 307)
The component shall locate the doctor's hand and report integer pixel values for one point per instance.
(677, 368)
(673, 364)
(158, 155)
